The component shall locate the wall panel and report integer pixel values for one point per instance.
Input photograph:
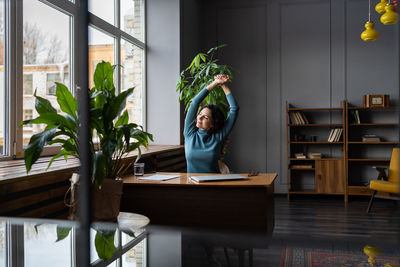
(311, 54)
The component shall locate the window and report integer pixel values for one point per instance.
(28, 85)
(3, 111)
(101, 47)
(52, 78)
(121, 45)
(132, 76)
(28, 114)
(44, 44)
(132, 18)
(46, 54)
(105, 10)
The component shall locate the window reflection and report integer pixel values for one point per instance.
(2, 244)
(136, 256)
(41, 248)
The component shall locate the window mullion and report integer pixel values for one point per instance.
(66, 7)
(117, 20)
(118, 62)
(16, 76)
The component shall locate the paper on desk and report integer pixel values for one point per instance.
(159, 177)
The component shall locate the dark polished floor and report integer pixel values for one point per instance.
(327, 217)
(305, 222)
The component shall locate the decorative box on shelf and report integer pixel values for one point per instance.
(314, 155)
(371, 138)
(376, 101)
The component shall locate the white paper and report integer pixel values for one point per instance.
(159, 177)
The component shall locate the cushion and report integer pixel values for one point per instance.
(384, 186)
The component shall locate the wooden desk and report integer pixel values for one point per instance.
(247, 205)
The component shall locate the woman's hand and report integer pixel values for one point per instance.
(219, 80)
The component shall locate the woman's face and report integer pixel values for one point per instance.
(204, 119)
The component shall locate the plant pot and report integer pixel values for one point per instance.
(106, 201)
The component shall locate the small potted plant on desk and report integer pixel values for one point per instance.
(112, 137)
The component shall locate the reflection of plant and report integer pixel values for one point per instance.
(104, 241)
(115, 135)
(198, 75)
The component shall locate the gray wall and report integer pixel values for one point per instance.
(307, 52)
(163, 65)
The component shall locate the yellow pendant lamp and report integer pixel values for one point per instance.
(370, 34)
(390, 16)
(380, 7)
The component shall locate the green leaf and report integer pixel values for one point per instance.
(55, 119)
(54, 158)
(43, 105)
(62, 233)
(115, 107)
(104, 244)
(126, 132)
(103, 75)
(197, 61)
(35, 147)
(67, 102)
(203, 57)
(139, 154)
(123, 119)
(99, 164)
(216, 48)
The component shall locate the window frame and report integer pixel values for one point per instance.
(13, 66)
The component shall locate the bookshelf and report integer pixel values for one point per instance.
(315, 131)
(362, 154)
(367, 138)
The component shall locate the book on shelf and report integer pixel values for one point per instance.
(355, 116)
(307, 166)
(299, 155)
(371, 138)
(335, 134)
(315, 155)
(297, 118)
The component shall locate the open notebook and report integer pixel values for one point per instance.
(212, 178)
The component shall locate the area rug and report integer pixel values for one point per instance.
(307, 257)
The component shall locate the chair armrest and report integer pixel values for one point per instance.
(382, 173)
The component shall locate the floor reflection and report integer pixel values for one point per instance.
(196, 247)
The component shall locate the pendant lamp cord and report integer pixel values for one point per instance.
(369, 10)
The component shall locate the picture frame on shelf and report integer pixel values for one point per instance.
(376, 101)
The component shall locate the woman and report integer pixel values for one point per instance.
(204, 134)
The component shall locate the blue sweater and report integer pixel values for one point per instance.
(203, 149)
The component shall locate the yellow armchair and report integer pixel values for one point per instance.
(389, 184)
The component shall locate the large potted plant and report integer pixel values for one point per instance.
(198, 75)
(112, 136)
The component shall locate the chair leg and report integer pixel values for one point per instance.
(370, 202)
(227, 256)
(250, 257)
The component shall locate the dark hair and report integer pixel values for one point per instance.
(218, 118)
